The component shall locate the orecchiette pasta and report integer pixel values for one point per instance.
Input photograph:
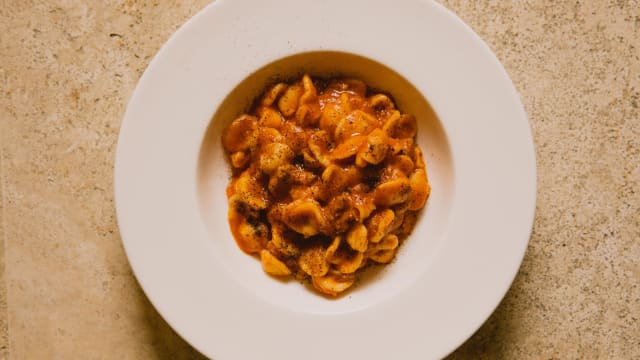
(327, 179)
(272, 265)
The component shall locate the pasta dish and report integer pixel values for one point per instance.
(326, 179)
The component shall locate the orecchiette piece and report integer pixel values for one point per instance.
(379, 224)
(400, 126)
(388, 242)
(308, 110)
(402, 163)
(400, 146)
(331, 114)
(357, 87)
(341, 213)
(333, 249)
(393, 192)
(351, 264)
(314, 191)
(313, 261)
(348, 148)
(420, 189)
(270, 118)
(383, 256)
(398, 220)
(356, 123)
(310, 160)
(304, 216)
(251, 237)
(319, 147)
(344, 259)
(408, 223)
(286, 176)
(283, 243)
(294, 136)
(239, 159)
(333, 283)
(374, 149)
(336, 178)
(381, 100)
(417, 158)
(363, 204)
(272, 265)
(249, 191)
(241, 134)
(288, 103)
(267, 135)
(390, 122)
(357, 237)
(273, 156)
(272, 94)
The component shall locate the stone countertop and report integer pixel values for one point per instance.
(68, 68)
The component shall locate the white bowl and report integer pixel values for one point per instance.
(171, 175)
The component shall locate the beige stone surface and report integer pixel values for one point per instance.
(68, 67)
(4, 333)
(576, 65)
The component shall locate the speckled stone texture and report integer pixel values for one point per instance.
(68, 67)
